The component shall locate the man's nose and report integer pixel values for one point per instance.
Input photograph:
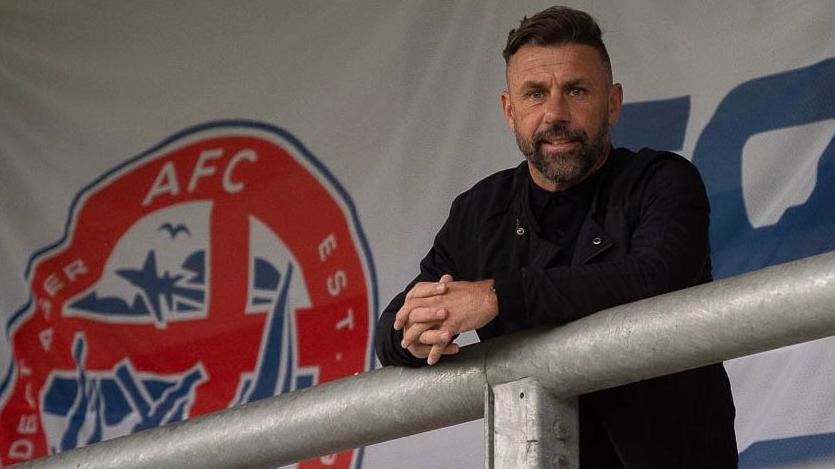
(557, 109)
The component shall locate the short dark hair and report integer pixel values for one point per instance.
(556, 26)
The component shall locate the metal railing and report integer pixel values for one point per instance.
(763, 310)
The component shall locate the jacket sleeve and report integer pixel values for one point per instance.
(667, 250)
(437, 262)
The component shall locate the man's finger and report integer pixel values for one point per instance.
(422, 351)
(445, 278)
(412, 333)
(427, 315)
(437, 350)
(426, 289)
(451, 349)
(401, 317)
(435, 354)
(439, 339)
(434, 337)
(420, 290)
(419, 351)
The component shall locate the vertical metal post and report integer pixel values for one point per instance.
(527, 428)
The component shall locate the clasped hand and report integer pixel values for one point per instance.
(433, 313)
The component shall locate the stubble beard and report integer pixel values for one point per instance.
(564, 169)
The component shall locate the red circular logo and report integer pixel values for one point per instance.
(223, 266)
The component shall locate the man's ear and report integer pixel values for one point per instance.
(615, 103)
(507, 110)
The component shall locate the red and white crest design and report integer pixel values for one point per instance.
(223, 266)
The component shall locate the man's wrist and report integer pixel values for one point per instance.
(492, 298)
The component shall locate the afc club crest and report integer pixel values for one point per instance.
(222, 266)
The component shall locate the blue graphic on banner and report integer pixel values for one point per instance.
(267, 380)
(155, 287)
(788, 453)
(273, 374)
(92, 404)
(788, 99)
(661, 124)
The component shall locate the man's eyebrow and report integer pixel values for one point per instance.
(528, 84)
(576, 82)
(532, 84)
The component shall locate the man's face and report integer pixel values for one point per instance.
(560, 104)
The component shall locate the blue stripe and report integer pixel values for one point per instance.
(789, 452)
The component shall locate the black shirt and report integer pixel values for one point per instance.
(559, 215)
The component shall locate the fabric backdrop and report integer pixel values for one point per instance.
(205, 203)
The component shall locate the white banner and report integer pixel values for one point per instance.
(205, 203)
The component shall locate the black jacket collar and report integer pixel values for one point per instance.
(592, 238)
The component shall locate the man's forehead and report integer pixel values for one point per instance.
(577, 60)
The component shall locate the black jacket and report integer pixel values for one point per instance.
(645, 234)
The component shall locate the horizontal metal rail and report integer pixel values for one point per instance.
(763, 310)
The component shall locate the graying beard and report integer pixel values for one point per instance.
(566, 172)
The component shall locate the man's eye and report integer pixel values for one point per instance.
(576, 92)
(536, 94)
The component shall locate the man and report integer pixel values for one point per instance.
(576, 228)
